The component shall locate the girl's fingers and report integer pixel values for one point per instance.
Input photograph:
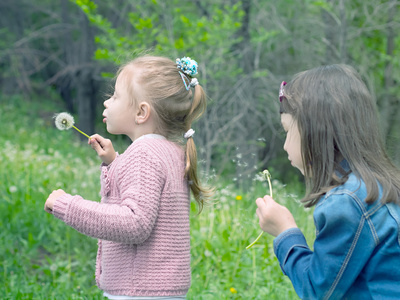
(273, 217)
(268, 199)
(99, 138)
(263, 203)
(48, 206)
(101, 141)
(56, 193)
(260, 203)
(95, 138)
(98, 143)
(103, 147)
(262, 209)
(265, 207)
(95, 145)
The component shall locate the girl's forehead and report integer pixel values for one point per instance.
(127, 75)
(118, 82)
(122, 81)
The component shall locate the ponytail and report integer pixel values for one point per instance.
(201, 194)
(178, 100)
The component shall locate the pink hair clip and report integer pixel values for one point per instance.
(281, 96)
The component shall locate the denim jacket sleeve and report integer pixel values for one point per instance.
(342, 247)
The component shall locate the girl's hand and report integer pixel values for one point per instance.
(48, 206)
(103, 147)
(273, 217)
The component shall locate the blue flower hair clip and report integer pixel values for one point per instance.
(187, 65)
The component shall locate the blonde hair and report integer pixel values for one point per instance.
(157, 80)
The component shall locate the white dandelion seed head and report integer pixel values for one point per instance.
(64, 121)
(13, 189)
(266, 174)
(259, 177)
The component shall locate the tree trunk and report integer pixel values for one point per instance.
(85, 101)
(247, 129)
(76, 85)
(85, 95)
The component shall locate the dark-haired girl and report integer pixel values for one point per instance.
(333, 138)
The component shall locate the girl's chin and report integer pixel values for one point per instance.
(300, 169)
(109, 129)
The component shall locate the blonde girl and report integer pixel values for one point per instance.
(142, 222)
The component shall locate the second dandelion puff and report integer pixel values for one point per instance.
(65, 121)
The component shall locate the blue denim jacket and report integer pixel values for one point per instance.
(356, 251)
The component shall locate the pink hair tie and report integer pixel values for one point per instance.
(281, 96)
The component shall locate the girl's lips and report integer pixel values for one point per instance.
(104, 120)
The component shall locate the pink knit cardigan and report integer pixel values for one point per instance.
(142, 222)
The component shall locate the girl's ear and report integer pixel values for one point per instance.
(143, 113)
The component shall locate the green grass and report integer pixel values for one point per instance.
(41, 258)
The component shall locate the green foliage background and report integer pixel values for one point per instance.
(61, 55)
(245, 46)
(244, 49)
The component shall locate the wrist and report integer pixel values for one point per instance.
(286, 228)
(109, 160)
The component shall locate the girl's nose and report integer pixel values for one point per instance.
(285, 145)
(105, 103)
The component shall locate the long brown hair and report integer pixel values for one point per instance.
(176, 108)
(337, 119)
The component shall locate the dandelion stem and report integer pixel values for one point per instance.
(269, 184)
(81, 131)
(255, 241)
(267, 174)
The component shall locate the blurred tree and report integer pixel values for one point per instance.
(335, 31)
(374, 50)
(78, 77)
(244, 49)
(219, 36)
(390, 108)
(50, 44)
